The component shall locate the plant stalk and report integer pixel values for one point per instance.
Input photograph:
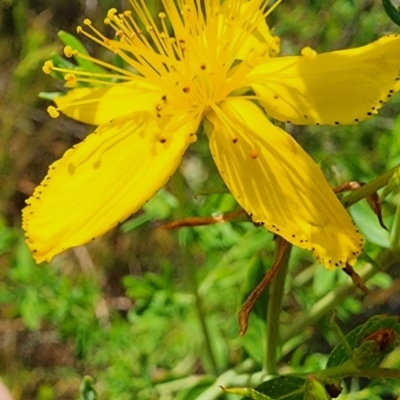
(276, 291)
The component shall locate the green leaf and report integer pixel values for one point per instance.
(49, 95)
(391, 11)
(393, 185)
(75, 43)
(87, 391)
(380, 331)
(289, 387)
(255, 274)
(248, 392)
(315, 390)
(30, 309)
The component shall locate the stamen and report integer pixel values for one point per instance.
(309, 53)
(70, 80)
(53, 112)
(69, 52)
(47, 67)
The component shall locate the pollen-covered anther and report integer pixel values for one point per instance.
(79, 29)
(69, 52)
(149, 28)
(47, 67)
(53, 112)
(119, 33)
(111, 13)
(254, 154)
(70, 80)
(87, 21)
(162, 15)
(309, 53)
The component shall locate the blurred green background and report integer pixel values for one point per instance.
(151, 313)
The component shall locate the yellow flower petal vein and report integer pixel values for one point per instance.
(102, 181)
(281, 187)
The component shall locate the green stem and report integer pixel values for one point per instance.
(370, 188)
(276, 291)
(348, 369)
(340, 335)
(395, 231)
(204, 328)
(179, 190)
(326, 304)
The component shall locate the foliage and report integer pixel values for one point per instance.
(150, 313)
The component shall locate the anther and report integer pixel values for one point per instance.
(79, 29)
(70, 80)
(68, 51)
(162, 15)
(53, 112)
(111, 13)
(87, 21)
(47, 67)
(309, 53)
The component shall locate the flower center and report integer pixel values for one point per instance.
(196, 52)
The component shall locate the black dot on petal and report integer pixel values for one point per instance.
(293, 236)
(369, 113)
(336, 123)
(356, 119)
(336, 264)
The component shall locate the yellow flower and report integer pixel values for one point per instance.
(217, 67)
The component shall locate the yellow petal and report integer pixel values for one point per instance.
(101, 105)
(279, 185)
(103, 180)
(260, 42)
(341, 87)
